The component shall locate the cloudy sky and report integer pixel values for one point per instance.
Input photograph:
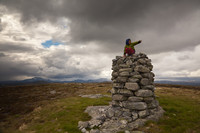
(77, 39)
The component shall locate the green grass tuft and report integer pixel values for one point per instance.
(63, 115)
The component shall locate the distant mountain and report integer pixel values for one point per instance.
(39, 80)
(193, 81)
(35, 80)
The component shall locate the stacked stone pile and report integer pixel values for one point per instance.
(133, 98)
(133, 83)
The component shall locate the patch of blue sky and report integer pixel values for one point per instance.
(49, 43)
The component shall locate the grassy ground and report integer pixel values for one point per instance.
(182, 114)
(61, 115)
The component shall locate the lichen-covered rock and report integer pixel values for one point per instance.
(125, 92)
(135, 99)
(118, 85)
(148, 87)
(143, 114)
(119, 97)
(83, 124)
(135, 105)
(153, 104)
(124, 74)
(141, 68)
(144, 93)
(134, 116)
(144, 81)
(132, 86)
(122, 79)
(136, 124)
(133, 80)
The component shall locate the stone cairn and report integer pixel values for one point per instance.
(133, 98)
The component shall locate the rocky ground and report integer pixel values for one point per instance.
(22, 100)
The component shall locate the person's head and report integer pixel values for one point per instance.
(128, 41)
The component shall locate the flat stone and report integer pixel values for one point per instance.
(123, 66)
(148, 75)
(118, 85)
(148, 87)
(122, 79)
(137, 76)
(134, 105)
(144, 81)
(118, 57)
(125, 92)
(124, 74)
(142, 61)
(133, 80)
(135, 73)
(141, 68)
(135, 99)
(120, 61)
(118, 97)
(132, 86)
(144, 93)
(126, 69)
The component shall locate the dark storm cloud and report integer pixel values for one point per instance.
(163, 26)
(12, 47)
(11, 70)
(112, 21)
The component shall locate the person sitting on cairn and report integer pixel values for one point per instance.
(129, 47)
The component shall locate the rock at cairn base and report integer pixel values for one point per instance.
(133, 99)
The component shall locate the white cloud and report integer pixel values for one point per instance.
(178, 64)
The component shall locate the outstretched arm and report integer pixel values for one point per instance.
(135, 43)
